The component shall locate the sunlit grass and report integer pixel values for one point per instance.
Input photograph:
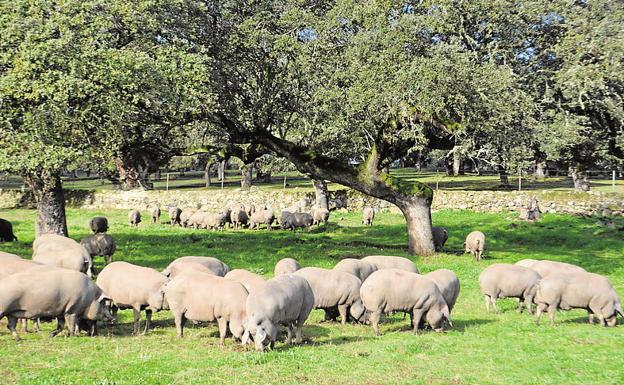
(481, 348)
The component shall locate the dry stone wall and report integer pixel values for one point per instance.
(607, 204)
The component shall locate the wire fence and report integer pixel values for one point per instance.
(438, 179)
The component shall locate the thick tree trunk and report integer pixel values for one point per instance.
(457, 161)
(504, 177)
(579, 177)
(47, 189)
(322, 195)
(540, 170)
(264, 177)
(128, 174)
(246, 175)
(417, 212)
(207, 173)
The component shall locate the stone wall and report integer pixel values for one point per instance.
(213, 200)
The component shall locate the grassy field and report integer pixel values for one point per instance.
(482, 348)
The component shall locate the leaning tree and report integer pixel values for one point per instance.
(343, 90)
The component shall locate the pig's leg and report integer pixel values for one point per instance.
(418, 313)
(11, 325)
(179, 322)
(342, 310)
(137, 320)
(222, 322)
(374, 320)
(148, 320)
(70, 320)
(60, 325)
(538, 313)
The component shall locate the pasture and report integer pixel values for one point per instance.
(482, 348)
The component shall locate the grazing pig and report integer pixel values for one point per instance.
(155, 214)
(180, 268)
(368, 216)
(64, 294)
(440, 236)
(215, 221)
(335, 290)
(298, 220)
(98, 225)
(286, 300)
(134, 217)
(215, 265)
(100, 245)
(6, 231)
(204, 297)
(475, 244)
(390, 262)
(10, 266)
(246, 278)
(174, 216)
(581, 290)
(286, 266)
(448, 283)
(4, 256)
(134, 287)
(59, 251)
(391, 290)
(357, 267)
(197, 220)
(545, 267)
(502, 280)
(265, 217)
(319, 215)
(239, 217)
(185, 215)
(283, 217)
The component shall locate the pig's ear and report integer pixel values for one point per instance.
(447, 314)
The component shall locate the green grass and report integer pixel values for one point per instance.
(482, 348)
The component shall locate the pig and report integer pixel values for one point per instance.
(265, 217)
(180, 268)
(579, 290)
(440, 236)
(319, 215)
(475, 244)
(69, 296)
(197, 220)
(448, 283)
(298, 220)
(357, 267)
(10, 266)
(286, 300)
(503, 280)
(390, 290)
(390, 262)
(284, 214)
(245, 278)
(333, 290)
(545, 267)
(98, 225)
(6, 231)
(174, 216)
(57, 250)
(239, 216)
(368, 216)
(215, 221)
(4, 255)
(100, 245)
(155, 214)
(134, 217)
(185, 215)
(286, 266)
(199, 296)
(134, 287)
(218, 267)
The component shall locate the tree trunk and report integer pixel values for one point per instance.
(540, 170)
(128, 174)
(417, 212)
(457, 161)
(322, 195)
(504, 178)
(246, 175)
(207, 173)
(579, 177)
(47, 189)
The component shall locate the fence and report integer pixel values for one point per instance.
(600, 180)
